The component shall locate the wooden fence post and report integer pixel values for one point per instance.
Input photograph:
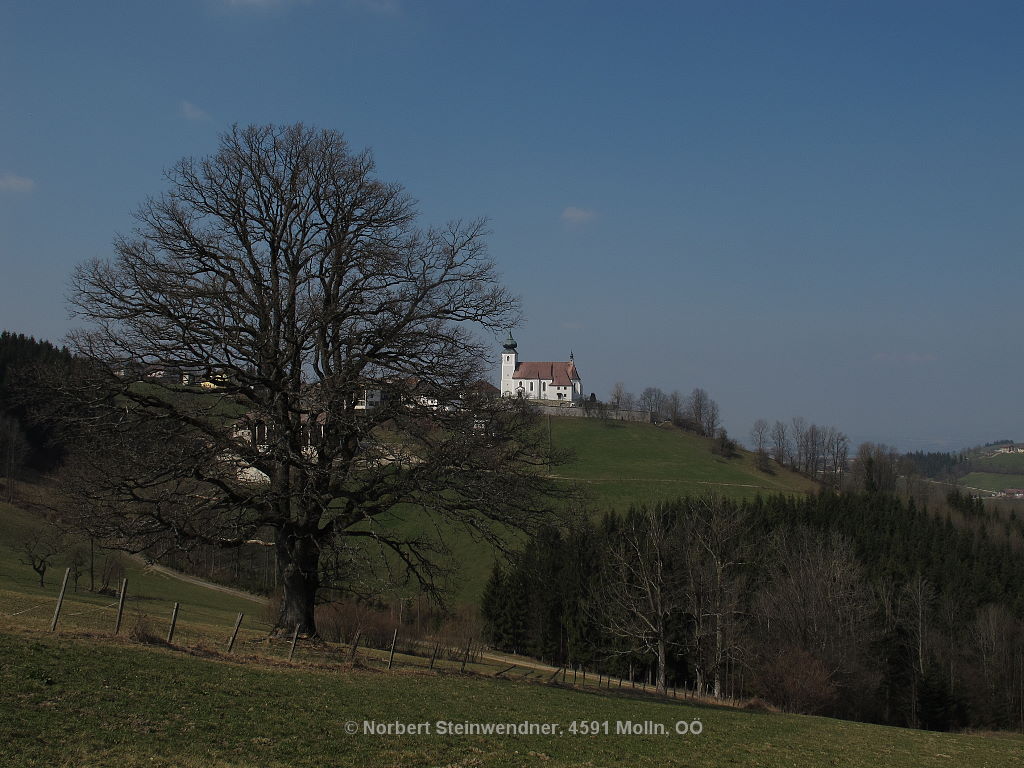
(391, 656)
(174, 621)
(120, 606)
(355, 645)
(60, 600)
(234, 632)
(433, 655)
(465, 658)
(295, 636)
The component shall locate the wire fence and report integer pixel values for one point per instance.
(179, 626)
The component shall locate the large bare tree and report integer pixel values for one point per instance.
(641, 590)
(338, 345)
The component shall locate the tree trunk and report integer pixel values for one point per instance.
(662, 663)
(299, 559)
(718, 657)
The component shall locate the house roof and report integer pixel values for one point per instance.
(559, 374)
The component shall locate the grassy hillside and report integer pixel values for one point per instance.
(991, 481)
(98, 702)
(206, 613)
(621, 463)
(618, 464)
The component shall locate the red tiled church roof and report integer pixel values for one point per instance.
(559, 374)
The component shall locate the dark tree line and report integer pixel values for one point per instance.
(855, 605)
(24, 443)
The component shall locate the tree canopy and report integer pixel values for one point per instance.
(279, 351)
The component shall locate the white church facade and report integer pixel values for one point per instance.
(557, 381)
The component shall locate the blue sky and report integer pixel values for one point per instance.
(806, 208)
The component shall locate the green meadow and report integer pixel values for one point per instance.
(619, 464)
(92, 701)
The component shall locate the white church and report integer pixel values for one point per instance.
(538, 381)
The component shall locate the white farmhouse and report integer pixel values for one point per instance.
(538, 381)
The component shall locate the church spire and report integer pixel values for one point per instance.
(510, 343)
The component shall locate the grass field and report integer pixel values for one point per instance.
(205, 615)
(1002, 463)
(99, 702)
(618, 464)
(82, 697)
(991, 481)
(621, 463)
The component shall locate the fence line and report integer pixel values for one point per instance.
(419, 653)
(90, 610)
(18, 613)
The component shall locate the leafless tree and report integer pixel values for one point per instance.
(995, 643)
(674, 405)
(653, 399)
(628, 401)
(798, 434)
(38, 546)
(641, 587)
(814, 612)
(759, 441)
(14, 449)
(780, 442)
(712, 422)
(618, 395)
(702, 412)
(838, 448)
(876, 467)
(715, 557)
(289, 280)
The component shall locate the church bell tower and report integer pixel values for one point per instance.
(509, 360)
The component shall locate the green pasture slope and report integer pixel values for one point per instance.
(995, 473)
(620, 463)
(205, 614)
(616, 464)
(1001, 463)
(88, 702)
(992, 481)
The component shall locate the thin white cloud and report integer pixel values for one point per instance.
(11, 182)
(191, 112)
(575, 215)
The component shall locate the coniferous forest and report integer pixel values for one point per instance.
(860, 605)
